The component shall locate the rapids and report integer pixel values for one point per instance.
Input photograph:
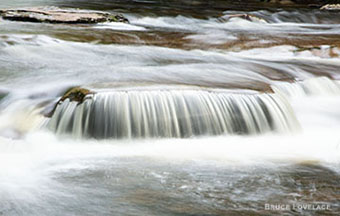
(189, 114)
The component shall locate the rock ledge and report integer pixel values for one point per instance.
(59, 15)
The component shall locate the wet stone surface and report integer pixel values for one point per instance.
(59, 15)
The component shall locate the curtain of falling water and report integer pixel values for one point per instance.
(126, 114)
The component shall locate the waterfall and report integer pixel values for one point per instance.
(309, 87)
(172, 113)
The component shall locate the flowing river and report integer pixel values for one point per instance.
(192, 114)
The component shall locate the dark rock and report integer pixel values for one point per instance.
(118, 18)
(3, 94)
(285, 2)
(58, 15)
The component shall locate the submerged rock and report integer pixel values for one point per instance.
(3, 94)
(249, 17)
(58, 15)
(331, 7)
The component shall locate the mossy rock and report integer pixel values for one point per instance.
(117, 18)
(74, 94)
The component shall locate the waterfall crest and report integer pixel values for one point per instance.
(309, 87)
(172, 113)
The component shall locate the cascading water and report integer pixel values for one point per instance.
(314, 86)
(172, 113)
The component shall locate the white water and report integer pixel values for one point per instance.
(120, 26)
(39, 169)
(316, 113)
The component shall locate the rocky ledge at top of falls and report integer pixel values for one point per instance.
(76, 94)
(60, 15)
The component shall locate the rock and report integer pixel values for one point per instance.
(313, 6)
(309, 3)
(285, 2)
(3, 94)
(324, 51)
(249, 17)
(76, 94)
(58, 15)
(331, 7)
